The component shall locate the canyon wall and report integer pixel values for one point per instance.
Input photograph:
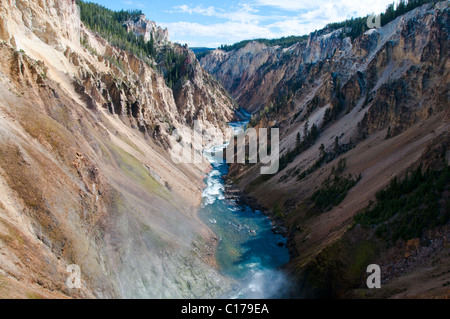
(86, 175)
(372, 105)
(148, 29)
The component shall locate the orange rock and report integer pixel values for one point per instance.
(415, 242)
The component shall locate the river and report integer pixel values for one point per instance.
(248, 250)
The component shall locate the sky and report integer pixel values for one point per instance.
(202, 23)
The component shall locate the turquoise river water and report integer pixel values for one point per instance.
(248, 250)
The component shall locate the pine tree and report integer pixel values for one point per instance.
(314, 132)
(298, 140)
(322, 150)
(306, 131)
(336, 145)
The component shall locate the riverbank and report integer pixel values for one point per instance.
(232, 191)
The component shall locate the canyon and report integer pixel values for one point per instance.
(86, 175)
(357, 110)
(87, 179)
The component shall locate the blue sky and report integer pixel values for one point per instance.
(211, 23)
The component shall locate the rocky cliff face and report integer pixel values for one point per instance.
(86, 176)
(377, 103)
(262, 69)
(239, 72)
(148, 29)
(328, 66)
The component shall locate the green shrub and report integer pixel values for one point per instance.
(405, 208)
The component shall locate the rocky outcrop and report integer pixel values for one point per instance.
(148, 29)
(51, 21)
(86, 175)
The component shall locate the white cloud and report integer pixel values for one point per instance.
(288, 5)
(359, 7)
(132, 3)
(228, 31)
(265, 19)
(328, 11)
(242, 12)
(210, 11)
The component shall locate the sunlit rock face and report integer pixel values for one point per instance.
(86, 175)
(379, 101)
(148, 29)
(258, 75)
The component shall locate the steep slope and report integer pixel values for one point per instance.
(369, 107)
(242, 72)
(86, 176)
